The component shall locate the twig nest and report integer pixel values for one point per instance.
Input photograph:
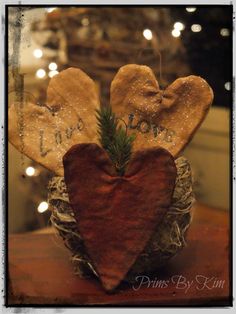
(168, 239)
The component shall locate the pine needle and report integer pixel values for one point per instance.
(114, 139)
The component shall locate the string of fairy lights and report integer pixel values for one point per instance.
(31, 171)
(52, 68)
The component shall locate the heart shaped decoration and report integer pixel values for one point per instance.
(68, 118)
(167, 118)
(117, 216)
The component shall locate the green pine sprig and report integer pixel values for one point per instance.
(114, 139)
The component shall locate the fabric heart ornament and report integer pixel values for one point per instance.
(167, 118)
(116, 216)
(68, 118)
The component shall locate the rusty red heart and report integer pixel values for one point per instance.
(116, 216)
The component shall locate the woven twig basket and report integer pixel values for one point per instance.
(168, 239)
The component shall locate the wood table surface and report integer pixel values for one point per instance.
(41, 273)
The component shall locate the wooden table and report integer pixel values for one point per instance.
(40, 271)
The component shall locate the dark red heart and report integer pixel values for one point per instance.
(116, 216)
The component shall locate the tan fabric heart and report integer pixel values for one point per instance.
(167, 118)
(67, 119)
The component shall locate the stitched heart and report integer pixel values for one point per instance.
(67, 119)
(116, 216)
(167, 118)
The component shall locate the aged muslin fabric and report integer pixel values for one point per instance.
(67, 118)
(167, 118)
(159, 117)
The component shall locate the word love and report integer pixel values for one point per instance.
(59, 137)
(145, 126)
(44, 132)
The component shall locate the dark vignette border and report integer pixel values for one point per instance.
(226, 302)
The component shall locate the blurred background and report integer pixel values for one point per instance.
(175, 41)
